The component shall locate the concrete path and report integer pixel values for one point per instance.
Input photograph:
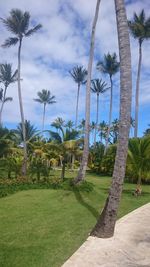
(130, 246)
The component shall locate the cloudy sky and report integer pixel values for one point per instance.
(62, 43)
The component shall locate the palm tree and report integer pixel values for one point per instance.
(140, 29)
(78, 74)
(147, 131)
(31, 134)
(92, 129)
(114, 130)
(139, 156)
(69, 124)
(106, 221)
(6, 78)
(109, 66)
(45, 98)
(82, 126)
(31, 131)
(103, 128)
(83, 166)
(18, 24)
(6, 141)
(98, 87)
(132, 125)
(62, 143)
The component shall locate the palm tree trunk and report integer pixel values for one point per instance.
(73, 160)
(110, 115)
(77, 105)
(63, 170)
(24, 166)
(137, 91)
(96, 125)
(2, 106)
(83, 166)
(106, 221)
(43, 118)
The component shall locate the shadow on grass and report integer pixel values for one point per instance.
(80, 199)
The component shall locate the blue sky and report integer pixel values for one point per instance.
(63, 43)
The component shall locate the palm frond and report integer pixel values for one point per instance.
(33, 30)
(25, 22)
(55, 136)
(79, 74)
(9, 42)
(8, 99)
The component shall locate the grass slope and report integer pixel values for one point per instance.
(43, 227)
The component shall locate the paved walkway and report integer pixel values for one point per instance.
(130, 246)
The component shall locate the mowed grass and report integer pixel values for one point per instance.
(43, 227)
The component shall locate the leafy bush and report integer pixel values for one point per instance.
(108, 160)
(38, 166)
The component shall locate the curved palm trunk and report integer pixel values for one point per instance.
(137, 91)
(43, 121)
(2, 106)
(106, 221)
(83, 166)
(77, 105)
(24, 166)
(110, 115)
(96, 126)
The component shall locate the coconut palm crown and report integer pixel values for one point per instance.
(18, 24)
(109, 65)
(140, 26)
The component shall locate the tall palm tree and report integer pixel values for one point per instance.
(79, 75)
(98, 87)
(83, 166)
(109, 66)
(140, 29)
(18, 24)
(45, 98)
(6, 78)
(106, 221)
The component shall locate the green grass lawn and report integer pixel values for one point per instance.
(43, 227)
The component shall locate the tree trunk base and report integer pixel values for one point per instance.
(104, 227)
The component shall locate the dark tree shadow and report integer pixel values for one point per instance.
(80, 199)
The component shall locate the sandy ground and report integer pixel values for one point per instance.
(130, 246)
